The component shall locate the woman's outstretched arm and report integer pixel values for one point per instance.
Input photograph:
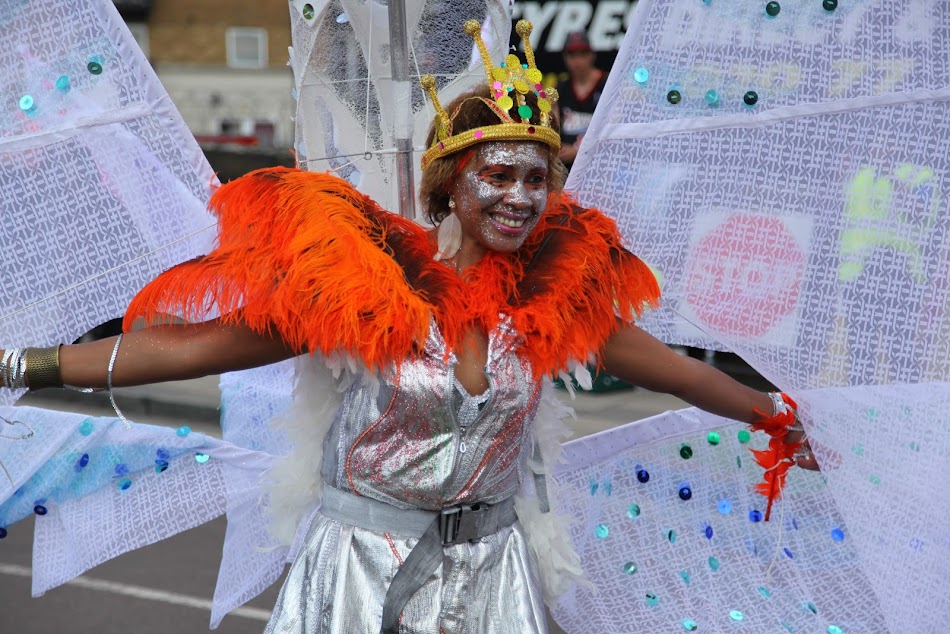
(637, 357)
(170, 353)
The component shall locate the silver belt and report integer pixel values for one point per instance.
(434, 530)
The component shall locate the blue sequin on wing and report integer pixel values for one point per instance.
(102, 465)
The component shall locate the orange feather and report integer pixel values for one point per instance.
(308, 257)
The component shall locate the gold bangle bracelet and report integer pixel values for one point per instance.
(42, 368)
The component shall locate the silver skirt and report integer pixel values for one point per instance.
(339, 580)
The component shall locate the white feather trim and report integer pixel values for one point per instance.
(576, 371)
(293, 485)
(549, 533)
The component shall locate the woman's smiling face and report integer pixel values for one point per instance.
(501, 193)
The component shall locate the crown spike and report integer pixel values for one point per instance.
(474, 30)
(508, 86)
(524, 28)
(427, 82)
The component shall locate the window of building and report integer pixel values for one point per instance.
(247, 48)
(264, 132)
(139, 32)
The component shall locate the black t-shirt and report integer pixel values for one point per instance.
(576, 113)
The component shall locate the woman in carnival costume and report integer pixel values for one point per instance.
(450, 336)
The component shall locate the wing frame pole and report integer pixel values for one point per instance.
(402, 107)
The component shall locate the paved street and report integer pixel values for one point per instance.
(167, 587)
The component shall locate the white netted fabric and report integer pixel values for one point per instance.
(345, 106)
(806, 232)
(108, 489)
(103, 187)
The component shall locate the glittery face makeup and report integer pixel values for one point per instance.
(501, 193)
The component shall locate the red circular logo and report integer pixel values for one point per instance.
(744, 276)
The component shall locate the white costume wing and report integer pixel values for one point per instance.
(786, 176)
(103, 186)
(344, 90)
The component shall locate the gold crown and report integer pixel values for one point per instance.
(508, 83)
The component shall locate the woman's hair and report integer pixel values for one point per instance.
(472, 113)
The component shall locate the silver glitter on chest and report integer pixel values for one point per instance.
(423, 442)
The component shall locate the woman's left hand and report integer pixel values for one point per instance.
(804, 457)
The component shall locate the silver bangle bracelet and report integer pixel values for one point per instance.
(5, 368)
(13, 368)
(118, 412)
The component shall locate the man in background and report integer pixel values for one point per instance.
(578, 94)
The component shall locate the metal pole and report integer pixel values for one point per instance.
(402, 106)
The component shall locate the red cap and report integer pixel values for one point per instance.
(577, 41)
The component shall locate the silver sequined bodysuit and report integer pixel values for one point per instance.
(422, 442)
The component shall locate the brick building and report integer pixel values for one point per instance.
(224, 64)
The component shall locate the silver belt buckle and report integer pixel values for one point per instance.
(457, 523)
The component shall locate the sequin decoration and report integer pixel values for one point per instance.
(713, 564)
(772, 9)
(652, 600)
(671, 535)
(690, 625)
(62, 84)
(343, 18)
(39, 509)
(86, 427)
(837, 534)
(736, 615)
(724, 507)
(713, 438)
(27, 104)
(685, 577)
(685, 492)
(765, 592)
(750, 99)
(202, 458)
(478, 134)
(641, 76)
(829, 5)
(788, 553)
(183, 431)
(124, 484)
(524, 112)
(834, 629)
(744, 436)
(162, 454)
(94, 66)
(82, 462)
(712, 98)
(3, 532)
(808, 606)
(121, 469)
(708, 532)
(161, 466)
(593, 487)
(674, 97)
(755, 515)
(308, 11)
(643, 476)
(686, 452)
(633, 511)
(629, 568)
